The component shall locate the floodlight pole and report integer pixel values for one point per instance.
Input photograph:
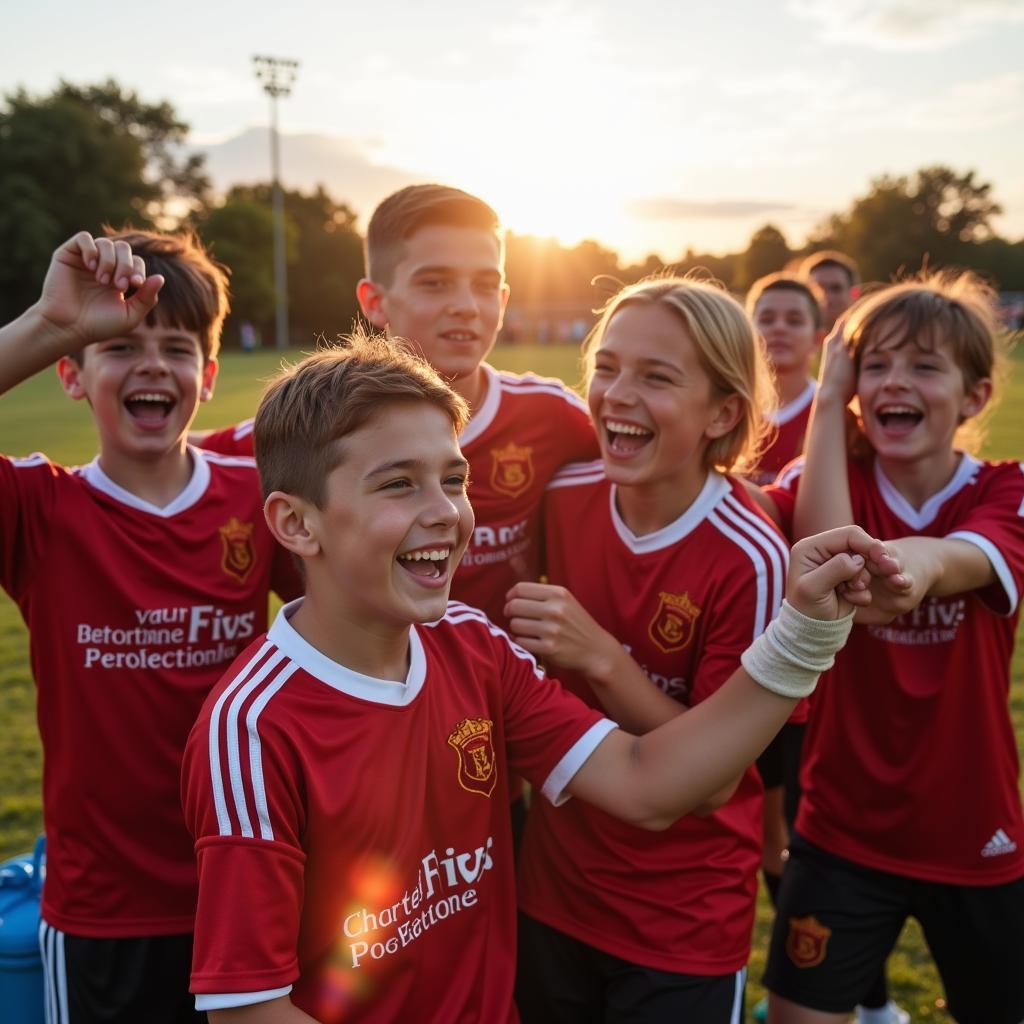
(277, 75)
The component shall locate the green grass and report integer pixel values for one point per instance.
(36, 416)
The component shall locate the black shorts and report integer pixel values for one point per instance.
(562, 979)
(117, 981)
(779, 765)
(837, 922)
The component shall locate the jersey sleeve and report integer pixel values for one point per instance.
(549, 732)
(29, 492)
(996, 525)
(753, 583)
(784, 491)
(236, 440)
(241, 795)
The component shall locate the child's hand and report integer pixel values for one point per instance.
(83, 295)
(550, 623)
(830, 573)
(895, 595)
(837, 377)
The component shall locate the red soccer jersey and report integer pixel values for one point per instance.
(787, 443)
(353, 833)
(133, 614)
(910, 764)
(685, 602)
(526, 428)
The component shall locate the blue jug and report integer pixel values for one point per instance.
(21, 966)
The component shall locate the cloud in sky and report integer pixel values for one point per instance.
(906, 24)
(668, 208)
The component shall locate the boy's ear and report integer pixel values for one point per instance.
(976, 398)
(371, 302)
(209, 376)
(70, 374)
(288, 519)
(729, 412)
(505, 292)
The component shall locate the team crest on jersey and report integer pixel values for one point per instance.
(511, 469)
(673, 623)
(473, 743)
(238, 556)
(807, 941)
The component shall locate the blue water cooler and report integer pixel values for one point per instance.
(21, 967)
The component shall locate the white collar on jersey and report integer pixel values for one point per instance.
(715, 488)
(483, 416)
(196, 487)
(920, 518)
(355, 684)
(793, 409)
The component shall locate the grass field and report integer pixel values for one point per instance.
(36, 417)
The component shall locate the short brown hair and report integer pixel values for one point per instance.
(956, 307)
(730, 351)
(831, 258)
(309, 407)
(195, 292)
(783, 282)
(404, 212)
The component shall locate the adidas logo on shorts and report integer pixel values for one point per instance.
(999, 844)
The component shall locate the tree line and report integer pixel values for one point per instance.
(85, 156)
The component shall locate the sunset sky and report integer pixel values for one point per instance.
(648, 125)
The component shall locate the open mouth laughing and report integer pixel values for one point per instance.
(428, 563)
(624, 438)
(150, 408)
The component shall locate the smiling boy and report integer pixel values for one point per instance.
(345, 781)
(139, 576)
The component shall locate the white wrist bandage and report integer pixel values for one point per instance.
(794, 650)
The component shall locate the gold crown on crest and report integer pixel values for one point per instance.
(680, 601)
(468, 728)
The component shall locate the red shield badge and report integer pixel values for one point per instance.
(672, 626)
(472, 742)
(238, 556)
(807, 941)
(511, 469)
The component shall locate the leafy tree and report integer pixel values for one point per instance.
(241, 235)
(323, 251)
(767, 253)
(937, 216)
(78, 158)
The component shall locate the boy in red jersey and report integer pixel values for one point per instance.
(787, 314)
(891, 821)
(617, 923)
(345, 781)
(139, 576)
(435, 277)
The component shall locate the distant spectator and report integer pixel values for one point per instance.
(837, 276)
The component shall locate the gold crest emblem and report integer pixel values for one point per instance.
(511, 469)
(672, 626)
(238, 556)
(472, 741)
(807, 941)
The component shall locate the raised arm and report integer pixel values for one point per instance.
(654, 779)
(823, 500)
(82, 301)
